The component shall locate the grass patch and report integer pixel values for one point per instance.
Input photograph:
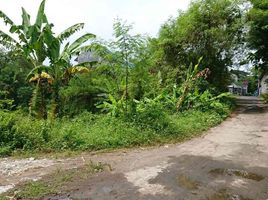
(20, 134)
(265, 97)
(55, 183)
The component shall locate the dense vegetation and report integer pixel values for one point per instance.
(133, 91)
(258, 39)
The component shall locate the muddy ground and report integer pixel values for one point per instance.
(230, 162)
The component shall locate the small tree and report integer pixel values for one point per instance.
(192, 76)
(125, 45)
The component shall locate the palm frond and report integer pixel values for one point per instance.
(41, 17)
(82, 49)
(7, 41)
(81, 40)
(97, 48)
(25, 20)
(70, 31)
(6, 19)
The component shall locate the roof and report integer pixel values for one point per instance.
(88, 57)
(234, 86)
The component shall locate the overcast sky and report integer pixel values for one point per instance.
(99, 15)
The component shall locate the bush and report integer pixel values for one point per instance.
(149, 124)
(151, 114)
(207, 101)
(5, 151)
(18, 131)
(265, 97)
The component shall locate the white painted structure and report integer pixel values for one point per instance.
(239, 90)
(264, 85)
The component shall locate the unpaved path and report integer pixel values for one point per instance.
(229, 162)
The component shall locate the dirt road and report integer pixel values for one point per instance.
(230, 162)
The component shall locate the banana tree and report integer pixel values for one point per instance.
(34, 40)
(193, 74)
(60, 69)
(37, 42)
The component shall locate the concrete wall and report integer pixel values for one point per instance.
(264, 85)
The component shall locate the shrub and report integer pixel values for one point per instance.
(150, 114)
(149, 124)
(265, 97)
(207, 101)
(5, 151)
(18, 131)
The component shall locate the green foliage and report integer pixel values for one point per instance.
(208, 29)
(192, 77)
(83, 93)
(36, 43)
(34, 40)
(140, 92)
(127, 48)
(113, 106)
(265, 97)
(4, 102)
(151, 114)
(38, 104)
(151, 124)
(20, 132)
(258, 40)
(13, 72)
(207, 101)
(35, 190)
(5, 151)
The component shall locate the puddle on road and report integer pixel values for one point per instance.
(224, 195)
(187, 183)
(236, 172)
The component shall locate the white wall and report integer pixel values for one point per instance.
(264, 85)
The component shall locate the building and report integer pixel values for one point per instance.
(263, 85)
(239, 84)
(88, 57)
(239, 90)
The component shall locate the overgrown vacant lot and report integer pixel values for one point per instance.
(95, 132)
(217, 166)
(72, 91)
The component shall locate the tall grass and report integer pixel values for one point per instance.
(87, 131)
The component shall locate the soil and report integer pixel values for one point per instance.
(229, 162)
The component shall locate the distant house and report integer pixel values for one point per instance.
(88, 57)
(239, 84)
(239, 90)
(263, 84)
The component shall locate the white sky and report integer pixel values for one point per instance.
(99, 15)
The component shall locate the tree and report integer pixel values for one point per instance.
(125, 48)
(37, 43)
(34, 40)
(208, 29)
(61, 69)
(13, 72)
(258, 34)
